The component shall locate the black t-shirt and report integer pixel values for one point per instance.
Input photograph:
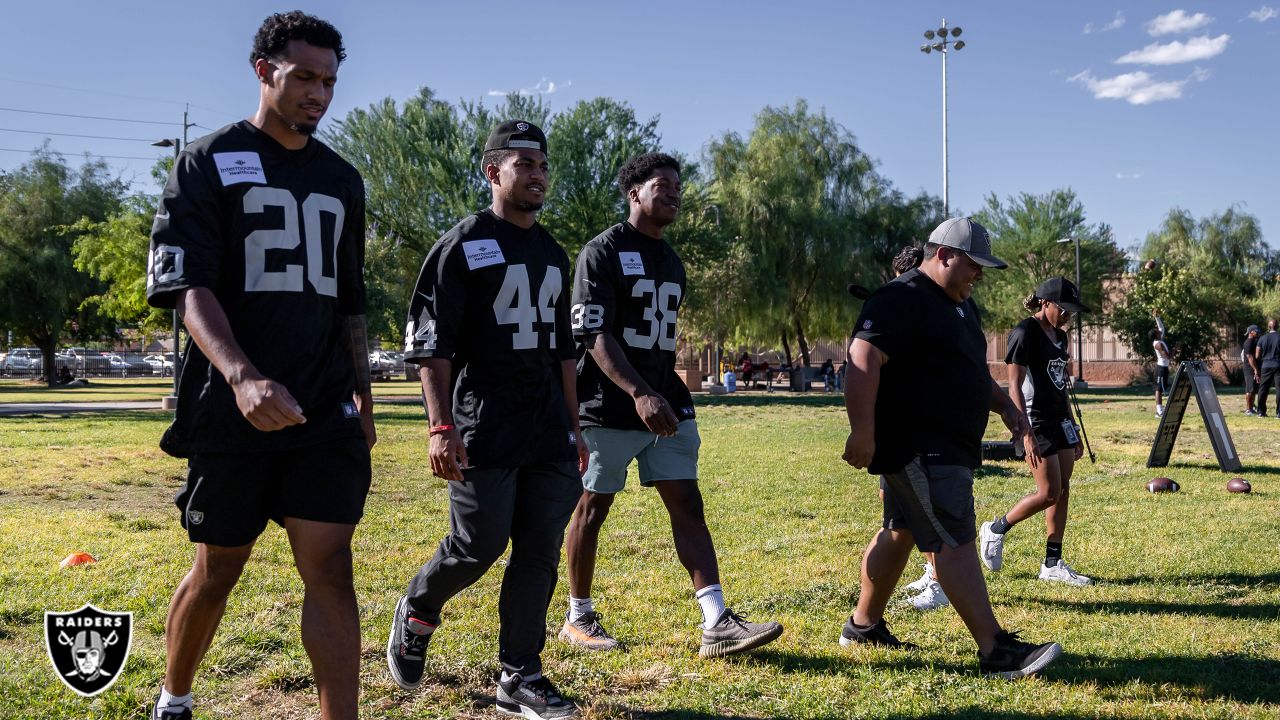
(493, 298)
(1044, 388)
(278, 236)
(1246, 353)
(935, 389)
(631, 286)
(1269, 350)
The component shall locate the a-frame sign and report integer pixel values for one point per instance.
(1192, 376)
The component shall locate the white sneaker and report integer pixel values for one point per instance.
(1062, 572)
(1159, 410)
(931, 599)
(923, 582)
(991, 547)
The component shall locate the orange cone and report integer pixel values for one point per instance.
(78, 558)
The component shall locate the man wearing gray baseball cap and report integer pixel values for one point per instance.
(924, 326)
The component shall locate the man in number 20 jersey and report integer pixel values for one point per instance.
(259, 243)
(627, 292)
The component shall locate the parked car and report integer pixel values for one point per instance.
(24, 361)
(383, 363)
(160, 364)
(117, 364)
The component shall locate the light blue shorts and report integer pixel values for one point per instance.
(660, 458)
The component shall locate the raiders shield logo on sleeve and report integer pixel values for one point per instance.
(88, 647)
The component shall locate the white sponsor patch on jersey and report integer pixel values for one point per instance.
(482, 253)
(632, 264)
(240, 167)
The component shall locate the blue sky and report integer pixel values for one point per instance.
(1139, 107)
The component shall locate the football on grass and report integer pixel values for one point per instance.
(1162, 485)
(1239, 485)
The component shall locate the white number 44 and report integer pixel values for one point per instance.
(513, 305)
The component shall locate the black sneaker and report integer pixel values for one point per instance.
(733, 633)
(1013, 658)
(170, 713)
(407, 646)
(535, 699)
(877, 634)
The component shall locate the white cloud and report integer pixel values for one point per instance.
(1115, 24)
(1264, 14)
(543, 87)
(1128, 176)
(1136, 88)
(1172, 53)
(1177, 21)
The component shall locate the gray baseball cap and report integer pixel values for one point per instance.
(969, 237)
(1253, 329)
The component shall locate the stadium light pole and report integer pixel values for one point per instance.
(1079, 381)
(171, 402)
(943, 46)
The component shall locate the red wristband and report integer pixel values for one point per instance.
(436, 429)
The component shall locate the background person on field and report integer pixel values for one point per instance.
(1250, 368)
(275, 414)
(925, 325)
(1037, 361)
(1163, 360)
(1268, 355)
(489, 324)
(628, 288)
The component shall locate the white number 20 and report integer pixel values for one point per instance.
(512, 306)
(256, 276)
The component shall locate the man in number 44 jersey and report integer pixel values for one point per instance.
(627, 291)
(259, 243)
(489, 324)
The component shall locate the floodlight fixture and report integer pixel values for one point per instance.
(928, 34)
(939, 41)
(955, 32)
(942, 31)
(939, 46)
(926, 49)
(959, 45)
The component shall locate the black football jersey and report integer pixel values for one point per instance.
(631, 286)
(493, 298)
(278, 236)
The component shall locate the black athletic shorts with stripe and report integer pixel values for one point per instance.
(229, 498)
(933, 502)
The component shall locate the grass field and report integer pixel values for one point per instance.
(1184, 621)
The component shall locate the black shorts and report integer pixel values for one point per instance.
(1162, 378)
(229, 498)
(1051, 436)
(1250, 384)
(933, 502)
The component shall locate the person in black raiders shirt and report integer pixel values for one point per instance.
(627, 291)
(259, 243)
(1250, 368)
(1037, 361)
(489, 324)
(924, 327)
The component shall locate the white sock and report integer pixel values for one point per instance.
(169, 701)
(711, 598)
(579, 607)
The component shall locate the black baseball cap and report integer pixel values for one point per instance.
(1063, 293)
(516, 135)
(969, 237)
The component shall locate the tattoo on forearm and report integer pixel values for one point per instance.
(358, 342)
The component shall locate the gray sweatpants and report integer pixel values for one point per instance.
(529, 506)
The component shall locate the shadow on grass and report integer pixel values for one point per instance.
(767, 399)
(1232, 578)
(1265, 611)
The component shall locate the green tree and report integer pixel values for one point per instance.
(1212, 278)
(1025, 231)
(114, 251)
(40, 202)
(793, 192)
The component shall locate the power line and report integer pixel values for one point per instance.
(88, 117)
(104, 92)
(76, 135)
(108, 157)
